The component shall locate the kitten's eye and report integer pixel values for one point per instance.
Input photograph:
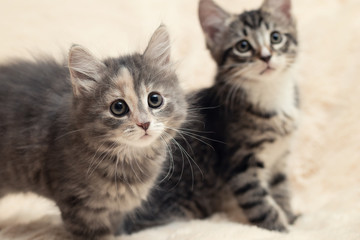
(243, 46)
(119, 108)
(276, 38)
(155, 100)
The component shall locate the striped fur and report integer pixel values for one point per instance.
(60, 139)
(249, 118)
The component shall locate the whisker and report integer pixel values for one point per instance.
(124, 175)
(183, 164)
(116, 185)
(139, 167)
(184, 153)
(133, 170)
(112, 147)
(189, 157)
(186, 141)
(203, 108)
(193, 130)
(71, 132)
(196, 136)
(93, 159)
(171, 165)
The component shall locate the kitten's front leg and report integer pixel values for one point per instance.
(279, 189)
(253, 196)
(86, 223)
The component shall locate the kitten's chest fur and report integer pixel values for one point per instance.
(273, 141)
(265, 120)
(116, 181)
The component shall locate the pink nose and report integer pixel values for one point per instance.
(266, 58)
(144, 126)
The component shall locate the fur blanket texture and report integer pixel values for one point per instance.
(325, 164)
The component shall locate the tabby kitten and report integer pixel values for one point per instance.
(250, 114)
(92, 136)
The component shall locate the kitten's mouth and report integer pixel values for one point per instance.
(267, 69)
(145, 136)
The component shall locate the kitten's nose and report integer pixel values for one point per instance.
(265, 54)
(144, 126)
(266, 58)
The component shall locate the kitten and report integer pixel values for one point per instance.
(93, 136)
(251, 111)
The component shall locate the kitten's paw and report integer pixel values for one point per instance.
(280, 228)
(292, 218)
(279, 224)
(107, 237)
(275, 226)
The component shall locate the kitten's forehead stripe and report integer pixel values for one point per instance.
(245, 32)
(252, 19)
(124, 80)
(142, 104)
(125, 84)
(140, 81)
(267, 25)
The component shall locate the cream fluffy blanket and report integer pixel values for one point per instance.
(325, 164)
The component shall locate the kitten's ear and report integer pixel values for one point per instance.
(213, 21)
(85, 69)
(158, 48)
(282, 7)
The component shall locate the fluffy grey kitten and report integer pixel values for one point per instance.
(250, 114)
(92, 137)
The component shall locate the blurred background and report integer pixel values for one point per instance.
(325, 163)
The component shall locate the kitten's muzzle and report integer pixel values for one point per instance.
(267, 69)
